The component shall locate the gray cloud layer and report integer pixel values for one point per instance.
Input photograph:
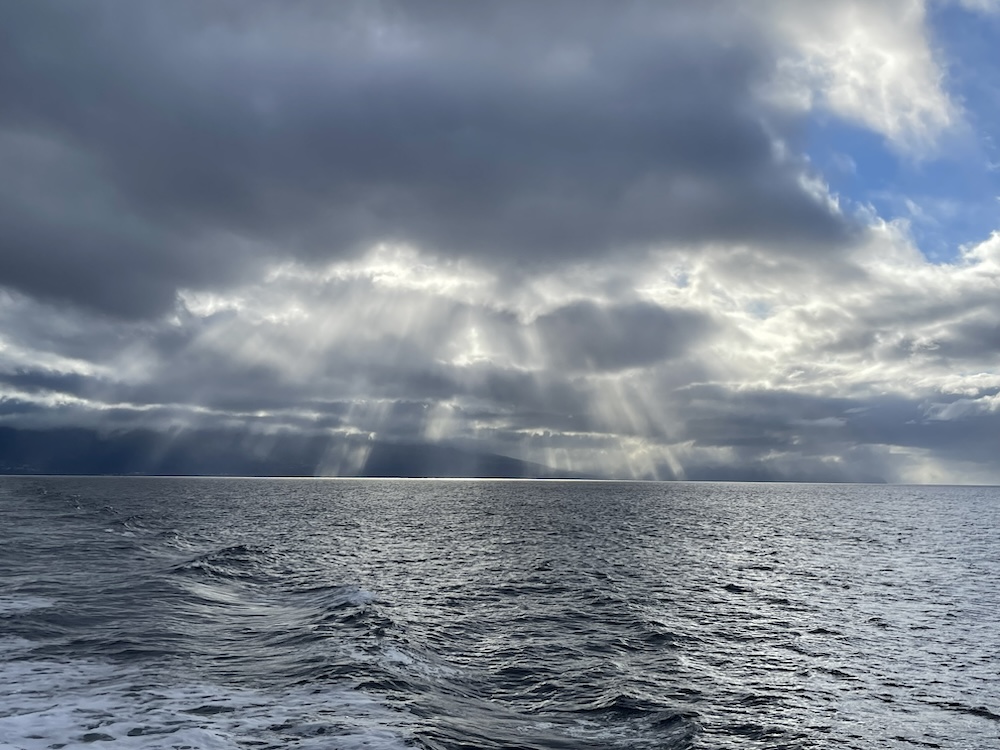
(152, 146)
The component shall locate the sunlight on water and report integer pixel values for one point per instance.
(221, 613)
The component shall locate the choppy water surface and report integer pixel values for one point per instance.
(220, 613)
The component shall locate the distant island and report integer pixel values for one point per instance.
(81, 451)
(239, 453)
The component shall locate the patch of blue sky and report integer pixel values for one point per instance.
(759, 309)
(951, 196)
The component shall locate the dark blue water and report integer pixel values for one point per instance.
(221, 613)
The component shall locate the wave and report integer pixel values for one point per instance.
(15, 605)
(234, 562)
(335, 595)
(74, 703)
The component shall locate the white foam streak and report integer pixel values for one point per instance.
(12, 605)
(47, 703)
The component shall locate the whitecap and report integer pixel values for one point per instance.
(73, 704)
(414, 664)
(10, 644)
(10, 605)
(358, 597)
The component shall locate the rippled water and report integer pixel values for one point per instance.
(220, 613)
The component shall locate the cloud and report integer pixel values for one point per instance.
(583, 336)
(577, 234)
(868, 62)
(856, 381)
(206, 140)
(981, 6)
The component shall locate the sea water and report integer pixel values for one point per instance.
(277, 613)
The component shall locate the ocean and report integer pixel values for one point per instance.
(312, 613)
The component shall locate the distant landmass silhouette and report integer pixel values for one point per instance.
(236, 453)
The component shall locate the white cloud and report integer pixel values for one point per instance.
(979, 6)
(869, 62)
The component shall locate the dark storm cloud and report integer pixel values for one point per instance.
(14, 407)
(975, 339)
(587, 336)
(761, 419)
(43, 381)
(151, 146)
(757, 422)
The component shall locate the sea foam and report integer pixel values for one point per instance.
(47, 703)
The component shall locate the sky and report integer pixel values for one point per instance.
(659, 240)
